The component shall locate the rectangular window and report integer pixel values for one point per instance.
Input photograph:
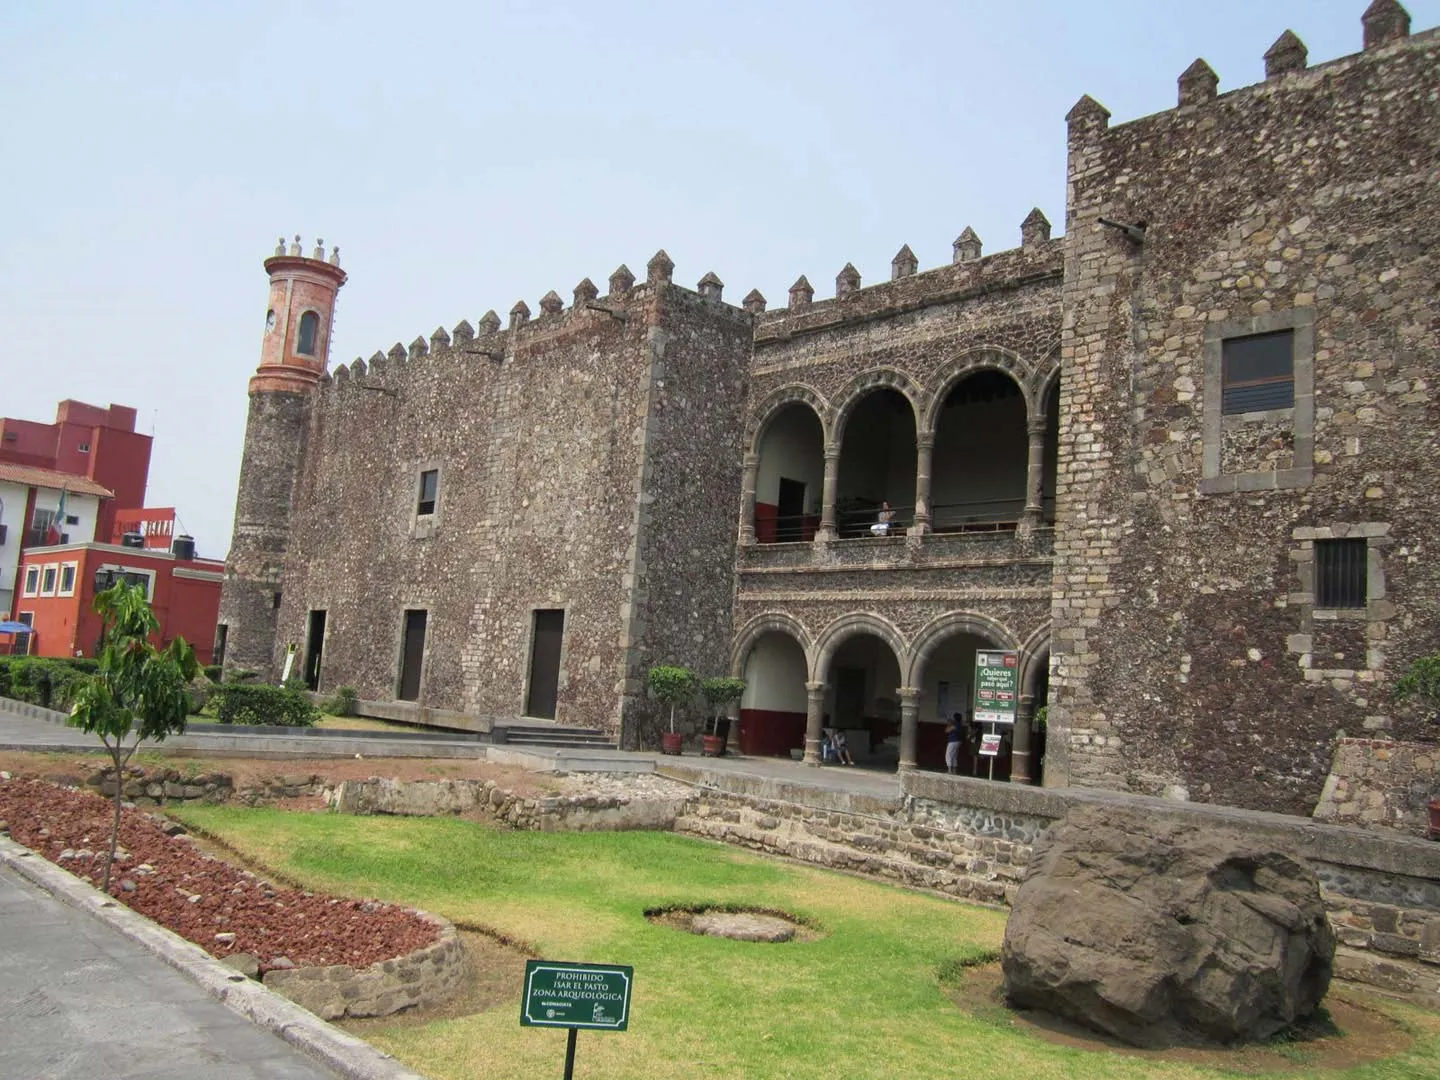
(72, 519)
(67, 578)
(1258, 372)
(25, 643)
(429, 489)
(32, 581)
(84, 448)
(48, 577)
(41, 524)
(111, 576)
(1341, 571)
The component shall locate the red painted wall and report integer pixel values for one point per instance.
(184, 607)
(768, 733)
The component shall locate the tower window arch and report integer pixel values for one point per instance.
(309, 333)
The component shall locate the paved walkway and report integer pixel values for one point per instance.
(79, 999)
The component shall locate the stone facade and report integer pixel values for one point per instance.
(1158, 555)
(1381, 783)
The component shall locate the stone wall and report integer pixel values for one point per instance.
(1381, 783)
(587, 462)
(427, 976)
(1190, 654)
(485, 799)
(160, 786)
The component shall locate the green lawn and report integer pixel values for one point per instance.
(863, 1000)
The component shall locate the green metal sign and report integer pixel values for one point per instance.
(997, 686)
(576, 995)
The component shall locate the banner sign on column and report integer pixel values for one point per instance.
(997, 686)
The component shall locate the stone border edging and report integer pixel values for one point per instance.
(349, 1056)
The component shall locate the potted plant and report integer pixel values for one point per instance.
(719, 692)
(671, 685)
(1422, 681)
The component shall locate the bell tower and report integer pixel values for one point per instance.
(294, 353)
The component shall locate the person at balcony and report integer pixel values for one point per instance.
(882, 520)
(953, 737)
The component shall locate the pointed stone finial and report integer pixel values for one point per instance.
(319, 253)
(341, 374)
(489, 323)
(801, 293)
(659, 268)
(418, 348)
(551, 304)
(335, 255)
(379, 357)
(398, 353)
(357, 369)
(280, 246)
(519, 314)
(295, 245)
(904, 264)
(754, 302)
(966, 247)
(847, 281)
(377, 365)
(1198, 83)
(1385, 21)
(585, 292)
(1287, 54)
(463, 332)
(1085, 116)
(621, 281)
(710, 286)
(440, 339)
(1034, 230)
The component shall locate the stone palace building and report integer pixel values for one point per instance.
(1184, 459)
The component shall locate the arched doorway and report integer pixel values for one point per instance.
(877, 464)
(862, 699)
(790, 476)
(980, 461)
(1036, 694)
(947, 683)
(1051, 457)
(772, 710)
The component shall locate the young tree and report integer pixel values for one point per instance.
(672, 685)
(137, 690)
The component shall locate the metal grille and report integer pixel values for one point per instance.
(1341, 569)
(1258, 372)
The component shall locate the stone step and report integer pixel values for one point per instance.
(588, 740)
(1413, 980)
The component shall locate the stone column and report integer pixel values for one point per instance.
(1034, 513)
(909, 727)
(750, 470)
(1020, 745)
(827, 499)
(924, 453)
(814, 721)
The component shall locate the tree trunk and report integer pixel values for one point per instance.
(115, 822)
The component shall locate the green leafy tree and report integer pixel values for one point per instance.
(672, 686)
(138, 691)
(721, 691)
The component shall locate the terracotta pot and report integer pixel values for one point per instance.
(713, 746)
(671, 744)
(1434, 807)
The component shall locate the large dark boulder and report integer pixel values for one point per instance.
(1163, 932)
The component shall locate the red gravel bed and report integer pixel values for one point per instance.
(197, 896)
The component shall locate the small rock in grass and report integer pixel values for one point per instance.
(244, 963)
(126, 885)
(283, 962)
(4, 776)
(225, 938)
(173, 828)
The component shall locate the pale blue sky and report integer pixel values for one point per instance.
(466, 155)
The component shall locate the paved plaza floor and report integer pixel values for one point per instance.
(79, 999)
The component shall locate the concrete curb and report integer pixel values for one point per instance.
(348, 1056)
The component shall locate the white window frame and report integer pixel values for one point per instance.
(74, 571)
(32, 585)
(51, 570)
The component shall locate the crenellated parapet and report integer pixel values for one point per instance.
(1038, 260)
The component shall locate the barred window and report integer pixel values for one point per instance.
(1258, 372)
(1341, 573)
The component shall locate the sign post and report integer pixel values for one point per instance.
(576, 996)
(997, 695)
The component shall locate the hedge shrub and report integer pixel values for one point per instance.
(344, 702)
(50, 682)
(259, 703)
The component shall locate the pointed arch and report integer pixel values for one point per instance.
(775, 401)
(1045, 379)
(852, 625)
(986, 357)
(951, 623)
(767, 622)
(1035, 646)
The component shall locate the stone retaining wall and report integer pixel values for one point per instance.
(576, 813)
(1381, 783)
(160, 786)
(426, 976)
